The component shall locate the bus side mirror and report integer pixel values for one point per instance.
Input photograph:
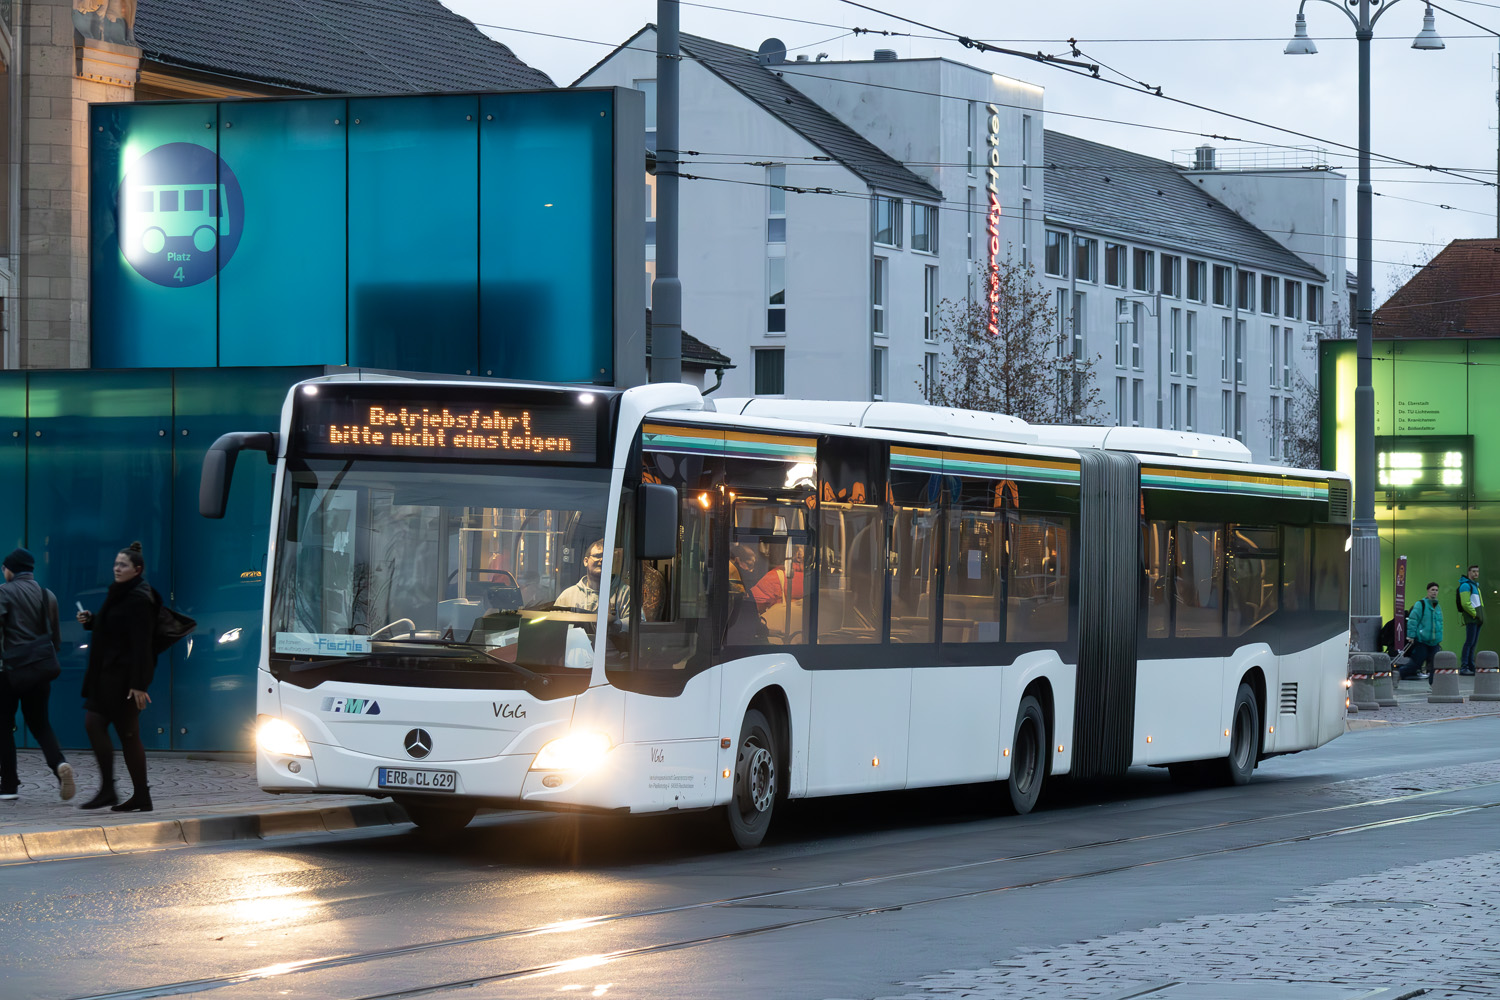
(218, 467)
(656, 521)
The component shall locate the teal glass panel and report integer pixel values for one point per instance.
(413, 237)
(546, 223)
(219, 567)
(99, 468)
(12, 459)
(163, 217)
(282, 300)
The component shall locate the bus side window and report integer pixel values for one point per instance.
(1037, 588)
(974, 577)
(675, 617)
(1330, 567)
(1254, 568)
(1199, 581)
(852, 542)
(1158, 552)
(1296, 594)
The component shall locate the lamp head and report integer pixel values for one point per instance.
(1428, 38)
(1301, 45)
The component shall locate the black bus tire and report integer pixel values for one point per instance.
(1028, 757)
(1244, 739)
(756, 772)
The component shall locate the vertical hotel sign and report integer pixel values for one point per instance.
(993, 279)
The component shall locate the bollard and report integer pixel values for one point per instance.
(1486, 676)
(1385, 681)
(1362, 690)
(1445, 680)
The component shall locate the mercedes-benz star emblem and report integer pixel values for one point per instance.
(418, 743)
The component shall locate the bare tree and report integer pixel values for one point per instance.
(1011, 355)
(1299, 431)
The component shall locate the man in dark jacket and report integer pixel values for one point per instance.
(25, 616)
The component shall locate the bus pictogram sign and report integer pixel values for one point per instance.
(180, 212)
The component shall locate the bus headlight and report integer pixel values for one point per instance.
(278, 736)
(574, 752)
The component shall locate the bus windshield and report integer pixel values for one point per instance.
(435, 574)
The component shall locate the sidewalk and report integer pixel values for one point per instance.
(199, 799)
(1412, 707)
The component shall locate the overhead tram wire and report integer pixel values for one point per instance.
(790, 68)
(1069, 67)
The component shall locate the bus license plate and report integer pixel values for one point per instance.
(411, 779)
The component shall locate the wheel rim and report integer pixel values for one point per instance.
(1242, 738)
(1023, 772)
(758, 778)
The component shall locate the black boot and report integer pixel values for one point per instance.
(105, 796)
(140, 801)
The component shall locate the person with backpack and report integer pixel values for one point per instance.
(1424, 626)
(30, 638)
(122, 661)
(1471, 611)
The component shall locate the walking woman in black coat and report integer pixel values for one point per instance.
(121, 663)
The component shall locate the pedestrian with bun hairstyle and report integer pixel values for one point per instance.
(121, 664)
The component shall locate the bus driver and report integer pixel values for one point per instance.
(584, 595)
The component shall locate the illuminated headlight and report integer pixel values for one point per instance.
(233, 635)
(574, 752)
(278, 736)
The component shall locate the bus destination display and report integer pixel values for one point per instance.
(522, 432)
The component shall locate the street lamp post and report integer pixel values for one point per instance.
(1364, 610)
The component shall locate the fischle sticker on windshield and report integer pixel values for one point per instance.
(321, 644)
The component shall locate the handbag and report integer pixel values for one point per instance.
(171, 626)
(30, 663)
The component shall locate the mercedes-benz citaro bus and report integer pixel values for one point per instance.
(563, 597)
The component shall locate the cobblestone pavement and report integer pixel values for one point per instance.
(1412, 706)
(1430, 925)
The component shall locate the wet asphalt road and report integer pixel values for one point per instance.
(850, 898)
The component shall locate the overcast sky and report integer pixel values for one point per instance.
(1434, 108)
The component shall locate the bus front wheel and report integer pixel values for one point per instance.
(1244, 739)
(1028, 761)
(755, 774)
(432, 818)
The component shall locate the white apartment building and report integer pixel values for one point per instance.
(1198, 320)
(816, 249)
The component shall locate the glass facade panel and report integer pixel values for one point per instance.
(531, 227)
(285, 306)
(156, 266)
(413, 246)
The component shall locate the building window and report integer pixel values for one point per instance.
(1291, 299)
(1190, 346)
(1175, 355)
(973, 134)
(924, 221)
(1268, 296)
(929, 303)
(1191, 417)
(877, 296)
(776, 207)
(1114, 265)
(1275, 426)
(1275, 356)
(1246, 298)
(1080, 317)
(1085, 259)
(1286, 357)
(648, 87)
(1223, 285)
(877, 373)
(651, 213)
(1137, 401)
(887, 221)
(1056, 262)
(1121, 417)
(1122, 330)
(929, 376)
(1315, 305)
(1239, 417)
(1226, 357)
(1171, 275)
(1176, 407)
(969, 216)
(1025, 232)
(1064, 343)
(1226, 413)
(1026, 151)
(1197, 280)
(1145, 270)
(776, 295)
(770, 371)
(1239, 352)
(1136, 310)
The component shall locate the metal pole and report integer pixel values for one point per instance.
(1365, 596)
(666, 290)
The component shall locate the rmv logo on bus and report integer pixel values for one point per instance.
(179, 214)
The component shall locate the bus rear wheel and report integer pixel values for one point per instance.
(1244, 739)
(755, 775)
(1028, 757)
(433, 818)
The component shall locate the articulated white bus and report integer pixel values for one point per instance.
(556, 597)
